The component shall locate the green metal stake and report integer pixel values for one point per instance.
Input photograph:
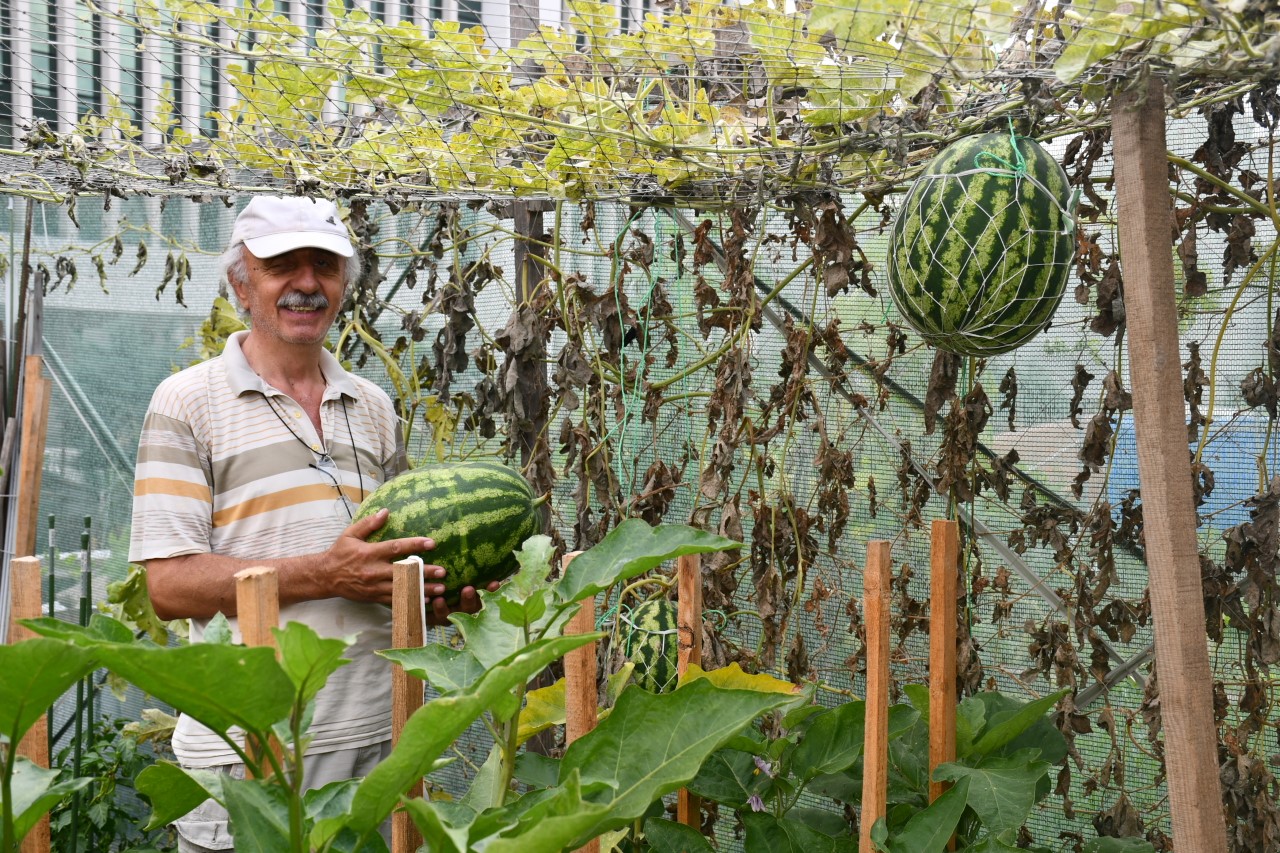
(86, 586)
(86, 606)
(53, 557)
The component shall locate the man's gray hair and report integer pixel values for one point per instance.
(233, 267)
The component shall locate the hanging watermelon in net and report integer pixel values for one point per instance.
(980, 250)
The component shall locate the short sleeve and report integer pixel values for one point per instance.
(172, 487)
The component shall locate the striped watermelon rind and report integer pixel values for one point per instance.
(979, 254)
(651, 640)
(478, 512)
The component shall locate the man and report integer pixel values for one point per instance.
(260, 456)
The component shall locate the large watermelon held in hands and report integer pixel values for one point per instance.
(651, 640)
(478, 512)
(980, 250)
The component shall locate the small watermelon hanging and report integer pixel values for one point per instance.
(980, 250)
(650, 640)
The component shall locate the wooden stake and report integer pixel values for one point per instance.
(258, 605)
(1145, 222)
(689, 622)
(581, 676)
(875, 762)
(35, 419)
(945, 566)
(407, 632)
(257, 612)
(581, 685)
(25, 603)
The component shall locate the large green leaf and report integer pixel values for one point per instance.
(768, 834)
(929, 830)
(334, 800)
(654, 743)
(832, 741)
(537, 771)
(540, 822)
(730, 777)
(823, 820)
(33, 674)
(434, 726)
(221, 686)
(259, 815)
(35, 791)
(631, 548)
(650, 745)
(308, 659)
(1006, 725)
(173, 791)
(543, 708)
(667, 836)
(490, 639)
(1002, 790)
(522, 599)
(443, 668)
(101, 629)
(444, 826)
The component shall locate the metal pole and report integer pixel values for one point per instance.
(53, 591)
(77, 747)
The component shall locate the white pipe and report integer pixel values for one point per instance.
(65, 45)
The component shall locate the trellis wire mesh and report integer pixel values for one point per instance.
(420, 118)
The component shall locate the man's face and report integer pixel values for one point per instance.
(293, 297)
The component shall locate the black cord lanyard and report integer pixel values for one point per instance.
(323, 453)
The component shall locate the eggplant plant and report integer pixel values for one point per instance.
(1004, 752)
(648, 746)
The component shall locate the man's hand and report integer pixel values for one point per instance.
(362, 571)
(438, 609)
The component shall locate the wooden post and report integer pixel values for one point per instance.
(25, 603)
(257, 605)
(689, 623)
(1145, 221)
(875, 761)
(945, 560)
(36, 392)
(257, 612)
(408, 630)
(581, 687)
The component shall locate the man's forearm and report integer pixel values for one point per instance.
(197, 586)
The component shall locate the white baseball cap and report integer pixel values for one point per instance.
(271, 225)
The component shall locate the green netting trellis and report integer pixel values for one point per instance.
(703, 192)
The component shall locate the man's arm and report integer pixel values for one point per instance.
(199, 585)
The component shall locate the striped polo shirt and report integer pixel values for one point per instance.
(224, 467)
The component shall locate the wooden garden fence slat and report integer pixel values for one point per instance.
(875, 765)
(36, 392)
(944, 568)
(408, 631)
(581, 686)
(257, 612)
(689, 631)
(1145, 222)
(25, 603)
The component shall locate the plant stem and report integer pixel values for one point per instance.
(7, 831)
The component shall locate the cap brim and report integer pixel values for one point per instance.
(286, 241)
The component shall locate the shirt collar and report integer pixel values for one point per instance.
(241, 377)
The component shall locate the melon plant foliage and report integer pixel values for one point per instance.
(981, 248)
(606, 780)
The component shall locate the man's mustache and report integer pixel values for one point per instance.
(303, 301)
